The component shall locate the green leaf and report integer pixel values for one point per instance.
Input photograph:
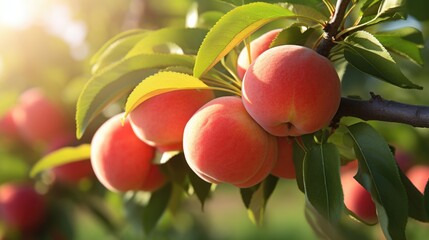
(301, 148)
(406, 42)
(322, 228)
(367, 54)
(322, 181)
(391, 8)
(160, 83)
(242, 2)
(117, 80)
(188, 39)
(297, 35)
(378, 174)
(156, 207)
(201, 187)
(370, 7)
(416, 205)
(118, 37)
(255, 198)
(115, 51)
(231, 29)
(62, 156)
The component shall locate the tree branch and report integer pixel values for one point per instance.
(332, 28)
(380, 109)
(376, 108)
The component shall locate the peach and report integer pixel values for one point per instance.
(73, 172)
(291, 90)
(404, 159)
(222, 143)
(257, 47)
(160, 121)
(38, 118)
(357, 199)
(284, 167)
(419, 176)
(121, 161)
(8, 125)
(21, 207)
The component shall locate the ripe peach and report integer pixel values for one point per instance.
(357, 199)
(8, 126)
(257, 47)
(38, 118)
(73, 172)
(21, 207)
(284, 167)
(291, 90)
(160, 121)
(222, 143)
(419, 176)
(404, 159)
(120, 160)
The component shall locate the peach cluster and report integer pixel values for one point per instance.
(42, 123)
(287, 91)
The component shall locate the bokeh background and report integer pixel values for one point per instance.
(48, 44)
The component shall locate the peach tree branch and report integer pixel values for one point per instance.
(381, 109)
(375, 108)
(332, 28)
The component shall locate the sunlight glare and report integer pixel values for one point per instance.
(17, 13)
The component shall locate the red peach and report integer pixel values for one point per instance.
(160, 120)
(404, 159)
(357, 199)
(291, 90)
(21, 207)
(38, 118)
(73, 172)
(257, 47)
(419, 176)
(8, 126)
(284, 167)
(222, 143)
(121, 161)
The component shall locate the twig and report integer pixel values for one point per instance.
(332, 28)
(381, 109)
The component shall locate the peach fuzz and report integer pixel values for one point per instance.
(121, 161)
(257, 47)
(284, 167)
(222, 143)
(160, 121)
(38, 118)
(291, 90)
(419, 176)
(357, 199)
(21, 207)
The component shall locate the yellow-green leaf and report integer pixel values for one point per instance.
(111, 41)
(188, 39)
(231, 29)
(118, 79)
(159, 83)
(62, 156)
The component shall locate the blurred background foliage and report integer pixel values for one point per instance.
(48, 44)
